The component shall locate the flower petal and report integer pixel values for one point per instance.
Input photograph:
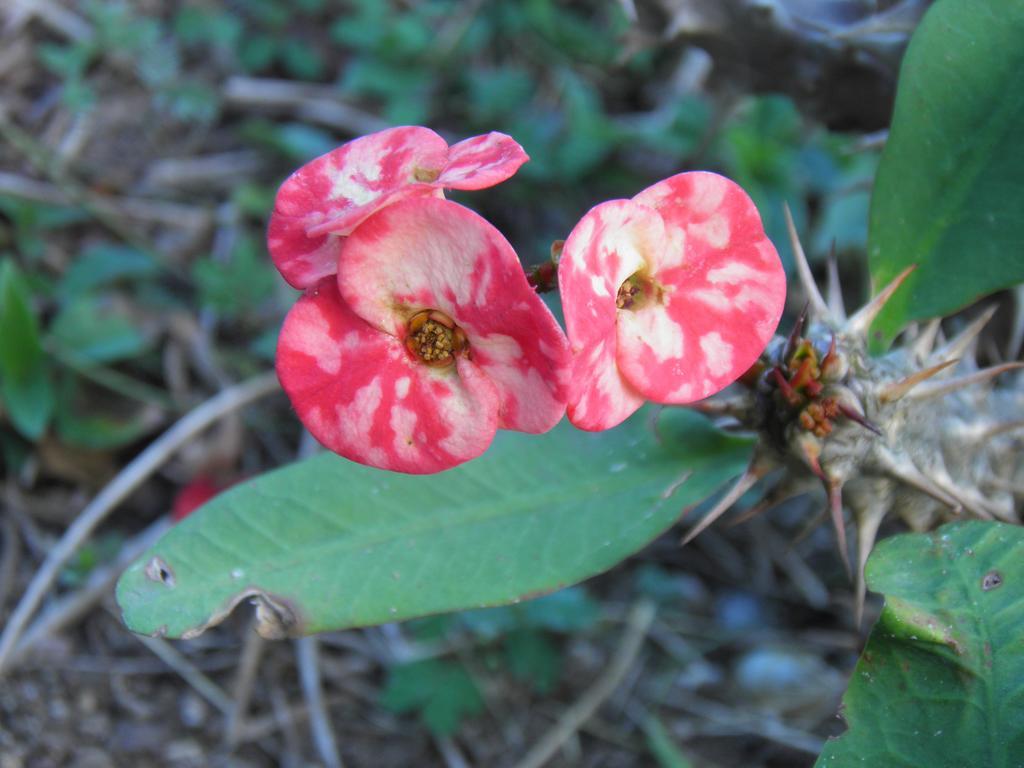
(609, 244)
(482, 161)
(302, 260)
(360, 394)
(434, 254)
(725, 291)
(336, 191)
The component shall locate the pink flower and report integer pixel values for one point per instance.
(323, 201)
(428, 341)
(668, 297)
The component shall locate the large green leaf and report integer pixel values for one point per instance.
(941, 681)
(949, 195)
(327, 544)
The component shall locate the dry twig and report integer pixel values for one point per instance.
(306, 652)
(73, 606)
(574, 717)
(305, 101)
(130, 478)
(110, 208)
(738, 721)
(202, 685)
(248, 666)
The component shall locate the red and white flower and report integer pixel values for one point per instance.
(668, 297)
(324, 200)
(428, 341)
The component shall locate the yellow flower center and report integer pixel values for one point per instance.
(426, 175)
(435, 339)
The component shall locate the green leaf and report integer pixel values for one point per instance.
(662, 746)
(301, 61)
(98, 551)
(238, 285)
(257, 52)
(68, 61)
(531, 656)
(568, 610)
(442, 692)
(188, 100)
(28, 222)
(293, 140)
(93, 329)
(90, 417)
(941, 681)
(333, 544)
(25, 385)
(495, 93)
(103, 264)
(256, 200)
(197, 26)
(949, 195)
(14, 452)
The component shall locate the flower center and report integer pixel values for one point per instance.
(435, 339)
(426, 175)
(637, 292)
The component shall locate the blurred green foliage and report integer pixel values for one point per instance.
(441, 692)
(661, 745)
(586, 100)
(519, 640)
(25, 383)
(59, 337)
(234, 287)
(96, 553)
(132, 40)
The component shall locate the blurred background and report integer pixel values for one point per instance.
(141, 144)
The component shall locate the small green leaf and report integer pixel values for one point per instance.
(29, 221)
(238, 285)
(25, 384)
(662, 746)
(271, 13)
(568, 610)
(99, 551)
(309, 7)
(949, 195)
(941, 681)
(301, 61)
(531, 656)
(295, 141)
(257, 52)
(333, 544)
(188, 100)
(103, 264)
(442, 692)
(496, 93)
(68, 61)
(93, 329)
(256, 200)
(195, 26)
(91, 417)
(14, 452)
